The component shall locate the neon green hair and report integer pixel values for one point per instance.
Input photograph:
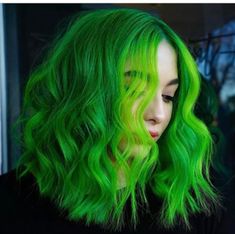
(78, 108)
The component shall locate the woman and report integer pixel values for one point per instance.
(109, 133)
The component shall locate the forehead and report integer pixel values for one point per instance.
(164, 63)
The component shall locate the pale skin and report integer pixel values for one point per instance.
(159, 111)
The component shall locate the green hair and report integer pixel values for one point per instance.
(77, 108)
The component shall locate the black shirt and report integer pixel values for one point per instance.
(23, 210)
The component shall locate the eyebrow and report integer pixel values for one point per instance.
(173, 82)
(134, 73)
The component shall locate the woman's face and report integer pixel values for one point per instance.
(158, 113)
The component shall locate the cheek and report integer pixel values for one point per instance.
(168, 114)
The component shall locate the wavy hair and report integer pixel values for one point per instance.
(77, 108)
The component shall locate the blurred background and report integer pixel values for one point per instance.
(208, 29)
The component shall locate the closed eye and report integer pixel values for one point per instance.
(168, 98)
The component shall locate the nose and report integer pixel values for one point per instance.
(155, 112)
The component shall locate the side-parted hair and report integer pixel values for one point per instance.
(77, 108)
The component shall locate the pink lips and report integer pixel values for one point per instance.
(154, 134)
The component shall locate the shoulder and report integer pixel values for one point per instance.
(19, 201)
(216, 223)
(23, 209)
(10, 193)
(14, 189)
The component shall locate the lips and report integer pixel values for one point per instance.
(154, 134)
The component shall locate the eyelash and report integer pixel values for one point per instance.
(167, 98)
